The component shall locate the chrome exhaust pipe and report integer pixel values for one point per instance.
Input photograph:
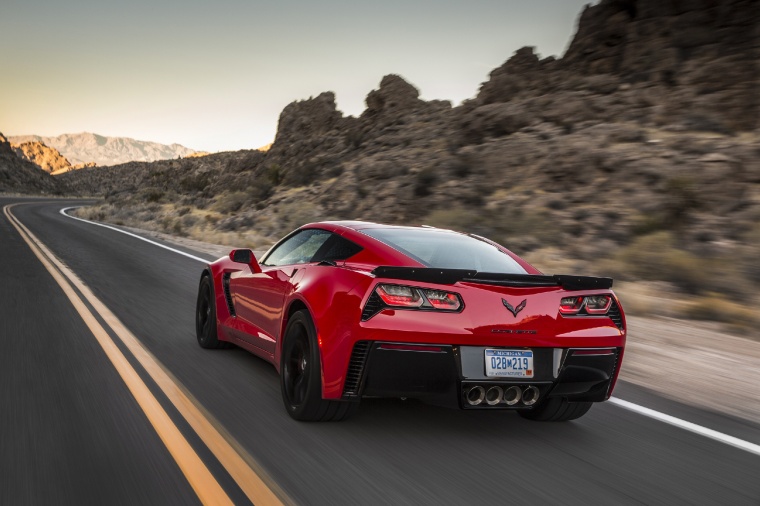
(512, 395)
(475, 395)
(494, 396)
(530, 395)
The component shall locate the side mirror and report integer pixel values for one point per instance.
(245, 256)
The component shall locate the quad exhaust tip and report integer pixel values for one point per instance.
(512, 395)
(495, 395)
(475, 395)
(530, 395)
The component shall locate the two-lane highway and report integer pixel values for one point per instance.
(72, 431)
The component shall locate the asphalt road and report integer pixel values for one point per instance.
(72, 433)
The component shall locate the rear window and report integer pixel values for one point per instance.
(446, 250)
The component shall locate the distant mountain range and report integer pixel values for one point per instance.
(87, 147)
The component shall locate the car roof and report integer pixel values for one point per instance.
(351, 229)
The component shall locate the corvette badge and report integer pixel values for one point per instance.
(514, 310)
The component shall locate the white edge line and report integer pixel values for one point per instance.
(691, 427)
(662, 417)
(188, 255)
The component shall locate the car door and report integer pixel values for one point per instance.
(258, 298)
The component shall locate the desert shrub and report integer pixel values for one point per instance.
(227, 203)
(654, 257)
(424, 181)
(273, 174)
(334, 170)
(294, 214)
(248, 162)
(714, 307)
(152, 194)
(194, 183)
(647, 223)
(260, 189)
(302, 175)
(189, 220)
(456, 218)
(518, 229)
(682, 198)
(354, 138)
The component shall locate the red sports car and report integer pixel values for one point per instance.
(346, 310)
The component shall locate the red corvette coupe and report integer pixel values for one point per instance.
(346, 310)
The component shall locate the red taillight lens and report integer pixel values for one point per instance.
(414, 298)
(589, 304)
(443, 300)
(402, 296)
(598, 304)
(570, 305)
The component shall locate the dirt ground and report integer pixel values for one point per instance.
(694, 362)
(685, 361)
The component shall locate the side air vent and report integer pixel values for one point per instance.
(356, 369)
(227, 294)
(374, 305)
(614, 314)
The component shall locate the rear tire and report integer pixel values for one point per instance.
(556, 409)
(301, 376)
(205, 316)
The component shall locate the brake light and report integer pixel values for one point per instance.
(598, 304)
(585, 304)
(443, 300)
(396, 295)
(570, 305)
(411, 297)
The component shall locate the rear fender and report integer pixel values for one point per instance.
(335, 308)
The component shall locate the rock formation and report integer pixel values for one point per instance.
(46, 158)
(18, 175)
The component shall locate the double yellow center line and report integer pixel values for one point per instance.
(246, 472)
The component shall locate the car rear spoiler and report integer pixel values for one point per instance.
(451, 276)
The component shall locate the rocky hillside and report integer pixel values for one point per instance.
(86, 148)
(46, 158)
(637, 154)
(21, 176)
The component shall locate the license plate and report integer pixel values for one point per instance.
(509, 363)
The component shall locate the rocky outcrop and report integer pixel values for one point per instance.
(693, 65)
(46, 158)
(92, 148)
(18, 175)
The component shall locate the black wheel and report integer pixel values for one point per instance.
(301, 378)
(205, 316)
(556, 409)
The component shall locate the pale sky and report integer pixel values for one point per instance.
(214, 76)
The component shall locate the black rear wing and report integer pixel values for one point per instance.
(451, 276)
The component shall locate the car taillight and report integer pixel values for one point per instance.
(396, 295)
(570, 305)
(598, 304)
(443, 300)
(585, 304)
(418, 298)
